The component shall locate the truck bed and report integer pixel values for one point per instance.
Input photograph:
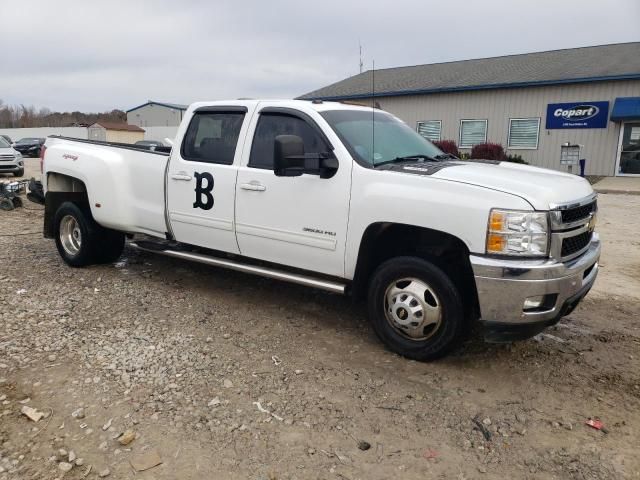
(126, 183)
(158, 150)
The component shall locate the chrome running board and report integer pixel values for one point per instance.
(322, 284)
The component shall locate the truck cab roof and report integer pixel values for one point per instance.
(284, 103)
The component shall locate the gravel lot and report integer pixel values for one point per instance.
(224, 375)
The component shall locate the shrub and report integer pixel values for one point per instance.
(516, 159)
(488, 151)
(448, 146)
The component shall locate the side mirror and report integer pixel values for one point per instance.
(288, 156)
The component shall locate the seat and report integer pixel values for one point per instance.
(212, 149)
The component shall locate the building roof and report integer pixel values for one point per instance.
(176, 106)
(119, 126)
(574, 65)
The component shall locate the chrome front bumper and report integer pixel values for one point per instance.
(504, 285)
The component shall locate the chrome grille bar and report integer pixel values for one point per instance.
(566, 231)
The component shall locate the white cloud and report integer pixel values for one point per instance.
(71, 55)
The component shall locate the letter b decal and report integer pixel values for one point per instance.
(204, 199)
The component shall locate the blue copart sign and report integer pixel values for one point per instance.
(577, 115)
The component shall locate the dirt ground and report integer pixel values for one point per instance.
(224, 375)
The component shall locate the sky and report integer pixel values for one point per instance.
(100, 55)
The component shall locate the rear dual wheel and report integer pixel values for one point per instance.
(415, 308)
(81, 241)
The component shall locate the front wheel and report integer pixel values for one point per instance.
(415, 309)
(19, 173)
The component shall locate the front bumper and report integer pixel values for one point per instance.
(11, 166)
(504, 285)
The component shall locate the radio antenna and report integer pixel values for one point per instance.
(373, 111)
(361, 64)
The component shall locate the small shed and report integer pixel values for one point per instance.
(115, 132)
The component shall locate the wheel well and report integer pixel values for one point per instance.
(382, 241)
(62, 188)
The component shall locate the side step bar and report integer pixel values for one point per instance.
(322, 284)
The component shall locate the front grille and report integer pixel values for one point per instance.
(571, 215)
(571, 245)
(6, 157)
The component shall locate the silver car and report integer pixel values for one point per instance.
(10, 160)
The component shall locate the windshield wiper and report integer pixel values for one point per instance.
(445, 156)
(408, 158)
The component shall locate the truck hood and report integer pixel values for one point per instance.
(539, 186)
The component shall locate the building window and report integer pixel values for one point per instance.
(472, 132)
(523, 133)
(430, 129)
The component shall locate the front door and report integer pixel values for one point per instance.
(201, 180)
(629, 162)
(295, 221)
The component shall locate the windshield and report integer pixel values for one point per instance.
(377, 137)
(4, 143)
(28, 140)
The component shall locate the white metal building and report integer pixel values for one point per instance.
(156, 114)
(574, 103)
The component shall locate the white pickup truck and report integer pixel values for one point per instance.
(342, 198)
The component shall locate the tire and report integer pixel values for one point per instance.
(75, 233)
(81, 241)
(110, 246)
(415, 309)
(17, 202)
(19, 173)
(6, 204)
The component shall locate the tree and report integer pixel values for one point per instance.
(27, 116)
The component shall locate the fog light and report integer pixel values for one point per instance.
(532, 303)
(540, 303)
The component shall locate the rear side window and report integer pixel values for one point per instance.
(270, 125)
(212, 137)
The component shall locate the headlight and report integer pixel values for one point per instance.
(511, 232)
(18, 155)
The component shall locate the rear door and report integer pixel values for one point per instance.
(295, 221)
(201, 179)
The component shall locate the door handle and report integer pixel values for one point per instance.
(181, 176)
(255, 187)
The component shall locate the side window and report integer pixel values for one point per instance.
(212, 137)
(270, 125)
